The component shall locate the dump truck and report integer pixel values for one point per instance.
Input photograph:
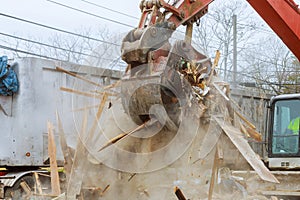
(182, 80)
(44, 92)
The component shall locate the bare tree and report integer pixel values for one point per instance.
(71, 48)
(215, 31)
(270, 64)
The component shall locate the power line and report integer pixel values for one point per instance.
(115, 11)
(47, 57)
(30, 53)
(48, 45)
(57, 29)
(91, 14)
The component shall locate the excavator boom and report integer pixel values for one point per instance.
(283, 16)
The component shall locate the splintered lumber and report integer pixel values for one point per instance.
(38, 183)
(98, 115)
(254, 134)
(112, 85)
(220, 91)
(242, 145)
(77, 76)
(85, 108)
(65, 149)
(26, 188)
(213, 175)
(245, 120)
(121, 136)
(79, 92)
(179, 194)
(133, 175)
(243, 129)
(105, 189)
(80, 157)
(53, 163)
(60, 197)
(235, 104)
(215, 64)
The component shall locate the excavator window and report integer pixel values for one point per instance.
(285, 130)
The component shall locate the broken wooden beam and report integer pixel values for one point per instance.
(64, 147)
(55, 185)
(79, 92)
(38, 183)
(245, 120)
(77, 76)
(179, 194)
(254, 134)
(121, 136)
(247, 152)
(214, 174)
(26, 189)
(215, 64)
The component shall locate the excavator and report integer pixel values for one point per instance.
(172, 84)
(178, 77)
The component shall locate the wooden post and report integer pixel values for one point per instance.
(179, 194)
(77, 76)
(65, 149)
(26, 188)
(214, 174)
(76, 174)
(38, 183)
(53, 163)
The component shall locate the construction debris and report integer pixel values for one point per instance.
(179, 194)
(55, 184)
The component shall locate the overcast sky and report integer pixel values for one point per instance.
(51, 14)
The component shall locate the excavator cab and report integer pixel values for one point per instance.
(284, 131)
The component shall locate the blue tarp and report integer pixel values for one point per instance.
(8, 78)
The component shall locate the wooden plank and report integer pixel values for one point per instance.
(214, 174)
(38, 183)
(85, 108)
(179, 194)
(86, 94)
(254, 134)
(77, 76)
(215, 64)
(98, 115)
(53, 163)
(104, 190)
(221, 91)
(64, 146)
(243, 129)
(245, 120)
(80, 157)
(116, 84)
(121, 136)
(26, 188)
(281, 193)
(242, 145)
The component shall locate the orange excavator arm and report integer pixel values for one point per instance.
(283, 16)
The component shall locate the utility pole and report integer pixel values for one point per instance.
(234, 51)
